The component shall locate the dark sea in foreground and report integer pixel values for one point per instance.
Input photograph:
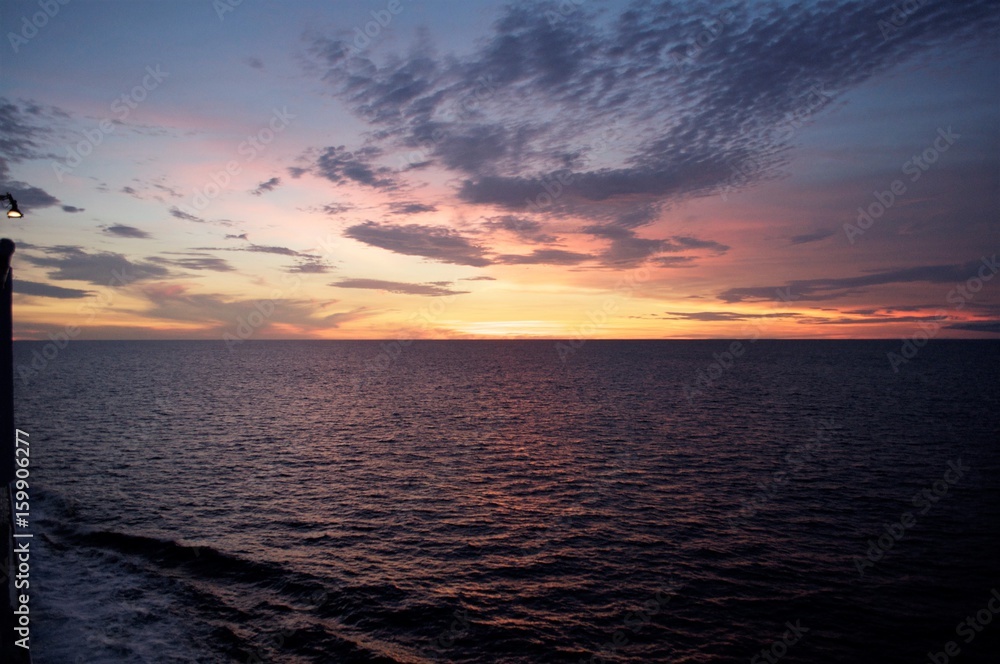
(483, 501)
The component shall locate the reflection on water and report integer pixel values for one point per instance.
(484, 501)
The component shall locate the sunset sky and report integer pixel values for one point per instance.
(417, 168)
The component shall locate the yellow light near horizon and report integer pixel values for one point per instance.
(514, 328)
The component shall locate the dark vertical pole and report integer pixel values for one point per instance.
(7, 445)
(6, 366)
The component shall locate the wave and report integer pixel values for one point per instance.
(343, 623)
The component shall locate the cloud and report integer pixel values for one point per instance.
(811, 237)
(683, 242)
(481, 278)
(546, 257)
(834, 288)
(102, 268)
(71, 209)
(411, 207)
(196, 261)
(169, 191)
(26, 127)
(46, 290)
(674, 261)
(265, 249)
(241, 236)
(268, 185)
(309, 265)
(150, 189)
(20, 132)
(434, 242)
(306, 263)
(337, 208)
(536, 97)
(341, 166)
(879, 320)
(626, 248)
(713, 316)
(431, 290)
(29, 197)
(127, 231)
(220, 313)
(992, 326)
(254, 63)
(527, 230)
(186, 216)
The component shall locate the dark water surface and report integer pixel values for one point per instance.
(485, 502)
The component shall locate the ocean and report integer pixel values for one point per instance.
(503, 501)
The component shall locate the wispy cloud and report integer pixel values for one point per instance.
(410, 207)
(26, 129)
(47, 290)
(836, 288)
(435, 242)
(811, 237)
(173, 301)
(121, 230)
(546, 257)
(195, 261)
(341, 166)
(69, 263)
(692, 120)
(525, 229)
(309, 265)
(991, 326)
(266, 249)
(267, 185)
(185, 216)
(430, 290)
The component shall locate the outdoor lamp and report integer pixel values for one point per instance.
(13, 213)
